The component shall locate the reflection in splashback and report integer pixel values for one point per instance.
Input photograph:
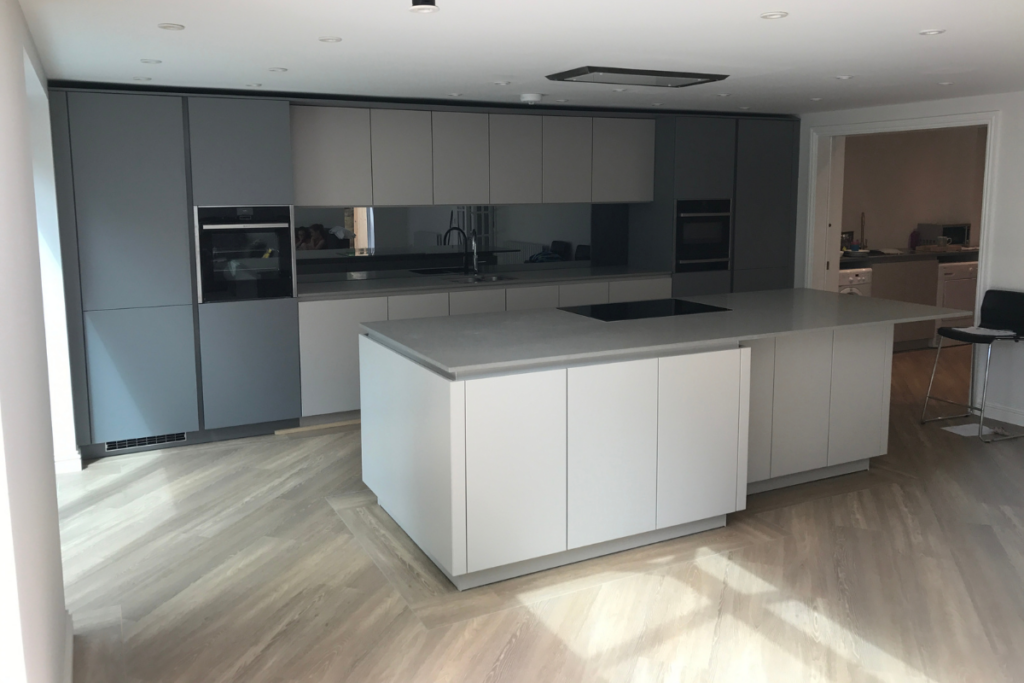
(520, 234)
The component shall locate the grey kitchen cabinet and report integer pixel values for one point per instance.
(861, 386)
(764, 213)
(800, 407)
(142, 372)
(516, 153)
(531, 298)
(241, 151)
(705, 157)
(461, 143)
(487, 300)
(568, 150)
(762, 400)
(331, 153)
(130, 200)
(410, 306)
(623, 163)
(709, 282)
(329, 351)
(583, 294)
(402, 151)
(760, 279)
(250, 362)
(639, 290)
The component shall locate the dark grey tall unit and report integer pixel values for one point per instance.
(241, 152)
(764, 212)
(130, 200)
(250, 362)
(705, 152)
(652, 224)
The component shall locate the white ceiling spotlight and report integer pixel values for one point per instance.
(143, 78)
(502, 82)
(424, 7)
(724, 94)
(277, 69)
(945, 82)
(744, 108)
(775, 15)
(330, 39)
(254, 85)
(454, 94)
(844, 78)
(932, 32)
(815, 99)
(171, 27)
(151, 61)
(531, 98)
(619, 89)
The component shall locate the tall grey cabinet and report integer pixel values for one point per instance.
(705, 157)
(764, 212)
(127, 155)
(241, 151)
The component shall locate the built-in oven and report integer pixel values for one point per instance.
(703, 233)
(245, 253)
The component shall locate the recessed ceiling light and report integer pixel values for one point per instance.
(424, 7)
(815, 99)
(143, 78)
(945, 82)
(530, 97)
(561, 100)
(932, 32)
(151, 61)
(330, 39)
(844, 78)
(655, 104)
(454, 94)
(254, 85)
(277, 69)
(171, 27)
(744, 108)
(502, 82)
(619, 89)
(775, 15)
(724, 94)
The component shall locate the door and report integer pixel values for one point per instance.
(515, 468)
(612, 451)
(131, 205)
(250, 362)
(402, 152)
(568, 159)
(699, 435)
(241, 152)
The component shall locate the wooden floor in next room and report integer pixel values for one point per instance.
(267, 560)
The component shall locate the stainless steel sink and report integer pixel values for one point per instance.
(479, 279)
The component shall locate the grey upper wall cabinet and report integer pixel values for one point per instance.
(131, 204)
(461, 158)
(142, 372)
(402, 150)
(623, 165)
(705, 157)
(241, 152)
(250, 362)
(568, 159)
(331, 153)
(766, 183)
(516, 159)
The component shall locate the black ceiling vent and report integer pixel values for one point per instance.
(144, 441)
(616, 76)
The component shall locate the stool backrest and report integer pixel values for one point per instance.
(1003, 310)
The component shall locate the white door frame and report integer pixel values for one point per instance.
(820, 139)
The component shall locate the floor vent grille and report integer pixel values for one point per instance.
(145, 441)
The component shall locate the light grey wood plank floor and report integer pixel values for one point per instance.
(267, 560)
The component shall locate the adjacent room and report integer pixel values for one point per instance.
(434, 340)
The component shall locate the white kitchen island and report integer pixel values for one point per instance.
(505, 444)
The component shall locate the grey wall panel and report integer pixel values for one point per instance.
(461, 158)
(652, 225)
(766, 183)
(568, 158)
(241, 151)
(250, 362)
(128, 159)
(142, 372)
(623, 160)
(65, 189)
(516, 159)
(760, 279)
(402, 151)
(705, 157)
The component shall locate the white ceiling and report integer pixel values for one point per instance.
(774, 66)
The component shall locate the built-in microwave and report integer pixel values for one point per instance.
(703, 234)
(244, 253)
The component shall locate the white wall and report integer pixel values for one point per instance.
(1002, 247)
(32, 616)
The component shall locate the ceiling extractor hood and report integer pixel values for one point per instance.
(616, 76)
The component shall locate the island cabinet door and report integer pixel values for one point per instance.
(702, 435)
(861, 382)
(515, 468)
(800, 410)
(613, 451)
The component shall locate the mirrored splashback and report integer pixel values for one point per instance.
(346, 239)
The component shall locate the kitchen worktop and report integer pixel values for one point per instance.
(866, 261)
(406, 282)
(463, 347)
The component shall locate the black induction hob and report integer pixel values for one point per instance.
(637, 310)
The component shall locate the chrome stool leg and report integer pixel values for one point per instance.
(928, 396)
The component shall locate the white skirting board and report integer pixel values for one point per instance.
(805, 477)
(510, 571)
(1004, 414)
(69, 650)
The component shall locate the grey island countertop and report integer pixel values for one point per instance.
(469, 346)
(407, 282)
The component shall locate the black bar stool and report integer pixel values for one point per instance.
(1002, 320)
